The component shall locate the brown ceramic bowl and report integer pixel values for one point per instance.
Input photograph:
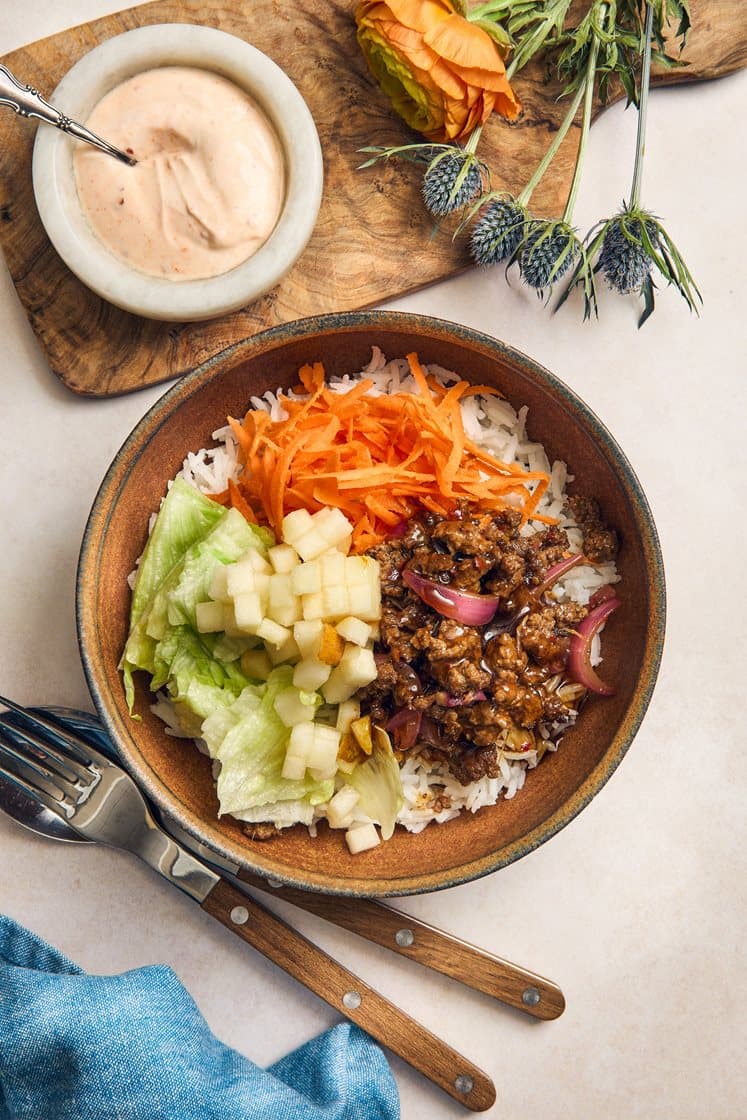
(177, 777)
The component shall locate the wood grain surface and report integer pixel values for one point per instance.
(370, 223)
(430, 947)
(351, 996)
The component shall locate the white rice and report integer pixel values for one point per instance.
(431, 793)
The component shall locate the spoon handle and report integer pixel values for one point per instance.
(431, 947)
(28, 102)
(351, 996)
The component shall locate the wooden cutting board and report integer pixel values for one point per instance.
(373, 240)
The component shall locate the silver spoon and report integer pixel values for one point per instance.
(28, 102)
(476, 968)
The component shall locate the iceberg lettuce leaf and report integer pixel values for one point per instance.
(193, 536)
(379, 785)
(250, 741)
(185, 516)
(230, 538)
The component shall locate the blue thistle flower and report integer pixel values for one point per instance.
(625, 259)
(451, 180)
(547, 252)
(497, 233)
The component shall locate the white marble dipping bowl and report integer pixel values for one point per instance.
(177, 44)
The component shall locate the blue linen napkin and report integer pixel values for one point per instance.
(135, 1047)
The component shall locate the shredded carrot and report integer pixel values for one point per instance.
(239, 502)
(378, 458)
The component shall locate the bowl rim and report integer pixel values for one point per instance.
(228, 853)
(206, 48)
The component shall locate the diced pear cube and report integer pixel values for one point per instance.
(365, 602)
(332, 564)
(285, 653)
(311, 544)
(282, 605)
(286, 613)
(230, 626)
(356, 570)
(335, 601)
(354, 630)
(240, 578)
(348, 711)
(361, 837)
(291, 707)
(294, 769)
(308, 636)
(344, 545)
(310, 674)
(209, 617)
(322, 760)
(357, 667)
(218, 587)
(312, 606)
(256, 664)
(280, 587)
(283, 558)
(247, 608)
(301, 740)
(326, 738)
(306, 579)
(333, 525)
(272, 632)
(295, 524)
(341, 806)
(254, 557)
(262, 585)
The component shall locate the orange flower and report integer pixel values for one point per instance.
(443, 74)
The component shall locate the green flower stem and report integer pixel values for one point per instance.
(551, 152)
(640, 145)
(588, 88)
(473, 139)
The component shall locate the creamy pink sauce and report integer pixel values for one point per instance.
(209, 183)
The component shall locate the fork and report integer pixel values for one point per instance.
(100, 800)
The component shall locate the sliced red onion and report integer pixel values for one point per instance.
(602, 594)
(579, 651)
(449, 701)
(429, 732)
(463, 606)
(555, 571)
(405, 726)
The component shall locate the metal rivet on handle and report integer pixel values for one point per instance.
(239, 915)
(464, 1084)
(351, 1000)
(404, 938)
(531, 997)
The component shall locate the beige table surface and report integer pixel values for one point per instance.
(637, 909)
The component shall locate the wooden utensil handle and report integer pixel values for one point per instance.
(350, 996)
(431, 947)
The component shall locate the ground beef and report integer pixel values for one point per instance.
(474, 686)
(600, 542)
(260, 830)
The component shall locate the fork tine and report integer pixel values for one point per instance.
(32, 780)
(65, 744)
(42, 752)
